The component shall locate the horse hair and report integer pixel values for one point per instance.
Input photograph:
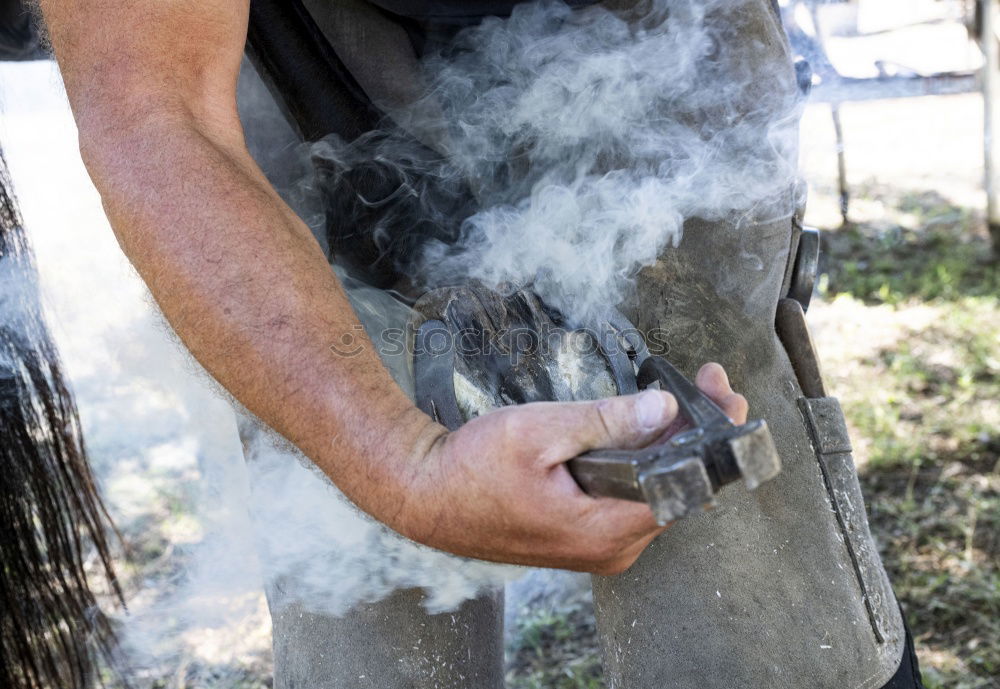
(53, 523)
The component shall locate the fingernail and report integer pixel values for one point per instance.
(650, 409)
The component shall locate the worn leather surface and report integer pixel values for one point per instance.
(828, 431)
(762, 591)
(778, 587)
(392, 644)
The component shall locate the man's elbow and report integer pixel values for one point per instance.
(113, 128)
(118, 130)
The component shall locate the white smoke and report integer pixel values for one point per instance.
(316, 548)
(319, 551)
(591, 136)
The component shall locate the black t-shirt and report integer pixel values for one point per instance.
(18, 37)
(457, 11)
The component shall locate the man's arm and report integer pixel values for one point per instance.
(152, 84)
(237, 274)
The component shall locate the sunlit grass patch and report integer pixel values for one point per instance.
(555, 649)
(934, 393)
(891, 263)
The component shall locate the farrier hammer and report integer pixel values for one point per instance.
(681, 476)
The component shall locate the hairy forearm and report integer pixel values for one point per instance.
(248, 290)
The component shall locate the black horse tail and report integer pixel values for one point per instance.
(53, 525)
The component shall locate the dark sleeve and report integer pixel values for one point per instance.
(19, 36)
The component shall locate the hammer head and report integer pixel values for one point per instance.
(683, 476)
(753, 450)
(677, 489)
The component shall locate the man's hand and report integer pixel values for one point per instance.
(498, 488)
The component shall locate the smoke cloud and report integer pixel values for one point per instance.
(319, 551)
(621, 126)
(589, 136)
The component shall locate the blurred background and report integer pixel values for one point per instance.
(906, 318)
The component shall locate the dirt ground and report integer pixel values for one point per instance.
(909, 329)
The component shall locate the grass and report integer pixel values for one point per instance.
(935, 394)
(926, 410)
(556, 649)
(927, 254)
(938, 528)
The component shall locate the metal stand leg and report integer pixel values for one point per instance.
(991, 132)
(838, 130)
